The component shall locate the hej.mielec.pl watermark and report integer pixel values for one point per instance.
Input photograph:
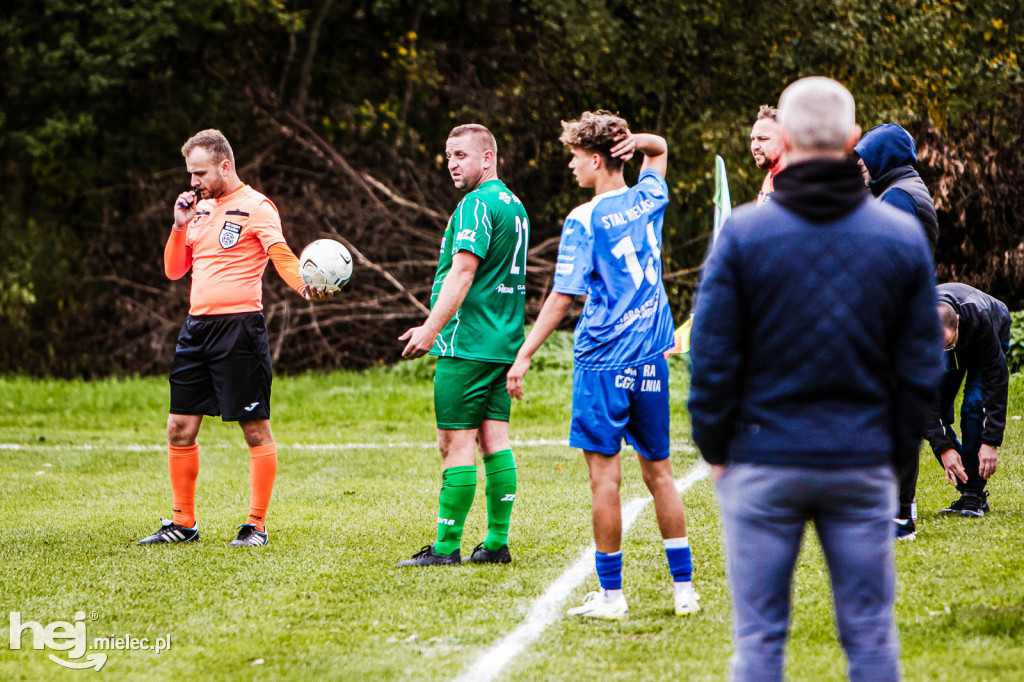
(71, 638)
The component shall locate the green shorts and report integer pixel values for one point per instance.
(468, 391)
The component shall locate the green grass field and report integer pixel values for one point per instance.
(83, 476)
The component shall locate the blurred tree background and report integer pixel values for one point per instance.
(338, 110)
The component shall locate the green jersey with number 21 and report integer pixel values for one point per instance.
(491, 223)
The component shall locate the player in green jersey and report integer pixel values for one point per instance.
(475, 327)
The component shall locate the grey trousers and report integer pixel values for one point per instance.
(764, 511)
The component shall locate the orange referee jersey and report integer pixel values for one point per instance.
(227, 243)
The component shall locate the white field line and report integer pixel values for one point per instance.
(547, 608)
(135, 447)
(291, 446)
(685, 447)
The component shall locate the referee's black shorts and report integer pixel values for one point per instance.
(222, 367)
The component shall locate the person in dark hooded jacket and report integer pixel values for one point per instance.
(887, 156)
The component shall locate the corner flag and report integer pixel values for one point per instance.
(723, 209)
(723, 204)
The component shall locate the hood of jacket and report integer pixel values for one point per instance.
(884, 148)
(821, 190)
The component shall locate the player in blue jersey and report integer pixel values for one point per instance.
(610, 252)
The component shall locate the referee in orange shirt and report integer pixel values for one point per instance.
(224, 232)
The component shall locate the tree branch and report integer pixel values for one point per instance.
(363, 260)
(306, 74)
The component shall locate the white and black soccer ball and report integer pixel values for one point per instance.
(325, 263)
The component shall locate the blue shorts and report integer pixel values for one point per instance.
(609, 404)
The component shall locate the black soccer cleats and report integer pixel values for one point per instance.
(428, 557)
(486, 556)
(248, 536)
(172, 532)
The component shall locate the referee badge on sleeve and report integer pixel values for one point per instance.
(229, 234)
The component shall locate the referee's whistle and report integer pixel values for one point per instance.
(198, 198)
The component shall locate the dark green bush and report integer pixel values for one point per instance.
(1015, 356)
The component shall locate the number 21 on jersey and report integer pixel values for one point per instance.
(522, 242)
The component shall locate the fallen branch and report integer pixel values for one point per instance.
(363, 260)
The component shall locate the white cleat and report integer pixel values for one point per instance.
(597, 605)
(687, 600)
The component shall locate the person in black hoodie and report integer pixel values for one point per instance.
(887, 156)
(976, 328)
(815, 356)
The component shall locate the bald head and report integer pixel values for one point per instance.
(817, 118)
(947, 316)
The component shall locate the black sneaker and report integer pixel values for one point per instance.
(486, 556)
(428, 557)
(956, 507)
(172, 532)
(906, 529)
(984, 501)
(248, 536)
(974, 504)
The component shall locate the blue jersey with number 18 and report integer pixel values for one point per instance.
(611, 251)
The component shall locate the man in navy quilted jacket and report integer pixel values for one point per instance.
(816, 354)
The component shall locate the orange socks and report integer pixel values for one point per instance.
(262, 471)
(184, 466)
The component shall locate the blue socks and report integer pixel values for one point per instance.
(680, 561)
(677, 551)
(609, 570)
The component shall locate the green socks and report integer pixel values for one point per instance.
(501, 493)
(458, 487)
